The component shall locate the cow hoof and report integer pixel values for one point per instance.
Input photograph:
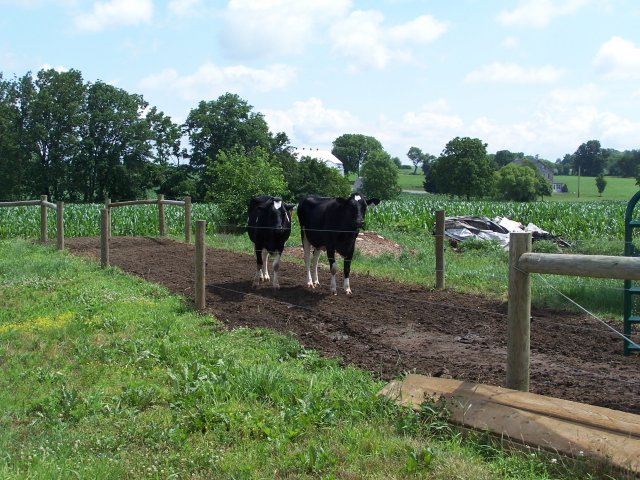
(348, 292)
(310, 285)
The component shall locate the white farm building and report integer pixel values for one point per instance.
(325, 156)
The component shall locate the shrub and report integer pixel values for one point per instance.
(237, 178)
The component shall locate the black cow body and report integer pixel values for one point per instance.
(269, 227)
(331, 224)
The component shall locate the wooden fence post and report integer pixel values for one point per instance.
(60, 225)
(200, 264)
(104, 237)
(161, 214)
(518, 315)
(43, 218)
(440, 249)
(107, 205)
(187, 219)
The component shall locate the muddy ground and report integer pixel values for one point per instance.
(390, 328)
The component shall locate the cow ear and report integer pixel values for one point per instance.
(373, 201)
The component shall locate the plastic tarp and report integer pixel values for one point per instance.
(460, 229)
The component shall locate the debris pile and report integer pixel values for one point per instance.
(459, 229)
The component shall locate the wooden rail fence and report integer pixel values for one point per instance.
(44, 204)
(521, 264)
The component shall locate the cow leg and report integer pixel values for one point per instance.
(316, 259)
(307, 260)
(276, 267)
(347, 269)
(258, 276)
(331, 253)
(265, 264)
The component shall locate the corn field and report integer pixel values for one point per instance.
(569, 220)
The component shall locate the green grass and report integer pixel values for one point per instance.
(103, 375)
(616, 189)
(408, 181)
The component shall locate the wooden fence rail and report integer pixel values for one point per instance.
(521, 264)
(44, 204)
(161, 202)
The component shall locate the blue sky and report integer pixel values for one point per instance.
(536, 76)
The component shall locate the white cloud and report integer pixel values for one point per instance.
(618, 58)
(115, 13)
(256, 28)
(211, 80)
(511, 73)
(539, 13)
(184, 8)
(59, 68)
(363, 38)
(310, 123)
(510, 42)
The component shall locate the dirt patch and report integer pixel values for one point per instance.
(390, 328)
(368, 243)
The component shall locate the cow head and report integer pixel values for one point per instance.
(358, 205)
(277, 215)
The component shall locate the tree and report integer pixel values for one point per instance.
(222, 125)
(504, 157)
(118, 144)
(600, 183)
(588, 159)
(354, 149)
(516, 182)
(417, 158)
(239, 177)
(313, 176)
(12, 167)
(626, 164)
(51, 118)
(380, 177)
(463, 169)
(565, 166)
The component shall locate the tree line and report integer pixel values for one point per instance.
(80, 141)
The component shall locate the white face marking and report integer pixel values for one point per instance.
(277, 205)
(357, 198)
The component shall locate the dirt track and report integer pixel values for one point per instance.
(389, 328)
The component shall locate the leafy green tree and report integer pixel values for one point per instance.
(588, 159)
(239, 176)
(463, 169)
(353, 150)
(565, 166)
(516, 182)
(314, 177)
(601, 183)
(626, 164)
(116, 146)
(12, 167)
(222, 125)
(380, 177)
(417, 158)
(51, 117)
(504, 157)
(397, 162)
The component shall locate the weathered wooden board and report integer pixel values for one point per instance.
(570, 428)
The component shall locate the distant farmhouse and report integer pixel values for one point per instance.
(545, 171)
(324, 156)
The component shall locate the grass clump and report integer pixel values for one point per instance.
(103, 375)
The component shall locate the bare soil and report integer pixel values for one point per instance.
(390, 328)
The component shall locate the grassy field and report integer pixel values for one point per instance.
(616, 188)
(103, 375)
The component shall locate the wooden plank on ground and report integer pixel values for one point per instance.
(570, 428)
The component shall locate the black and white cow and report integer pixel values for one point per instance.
(269, 227)
(331, 224)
